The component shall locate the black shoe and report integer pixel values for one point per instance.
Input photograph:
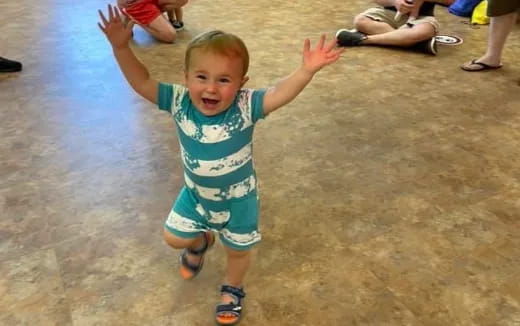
(345, 37)
(428, 46)
(179, 26)
(7, 65)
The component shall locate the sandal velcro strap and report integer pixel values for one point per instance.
(238, 293)
(189, 271)
(209, 239)
(195, 269)
(230, 313)
(229, 309)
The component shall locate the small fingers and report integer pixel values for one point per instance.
(103, 19)
(331, 45)
(102, 28)
(306, 45)
(321, 42)
(116, 13)
(110, 13)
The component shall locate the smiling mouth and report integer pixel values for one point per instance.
(210, 102)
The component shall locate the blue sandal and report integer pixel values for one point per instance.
(189, 271)
(230, 313)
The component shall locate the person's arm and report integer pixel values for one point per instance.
(442, 2)
(134, 71)
(289, 87)
(401, 6)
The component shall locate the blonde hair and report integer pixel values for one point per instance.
(221, 43)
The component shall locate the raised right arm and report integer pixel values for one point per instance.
(134, 71)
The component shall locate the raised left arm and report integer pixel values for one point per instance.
(313, 60)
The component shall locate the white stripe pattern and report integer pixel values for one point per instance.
(218, 167)
(241, 239)
(237, 190)
(181, 223)
(210, 134)
(213, 217)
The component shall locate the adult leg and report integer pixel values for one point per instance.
(499, 29)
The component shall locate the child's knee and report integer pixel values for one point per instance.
(175, 241)
(361, 21)
(169, 36)
(426, 32)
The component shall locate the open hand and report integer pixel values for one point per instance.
(115, 30)
(321, 55)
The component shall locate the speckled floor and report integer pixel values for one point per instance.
(390, 188)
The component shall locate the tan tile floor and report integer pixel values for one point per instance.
(390, 188)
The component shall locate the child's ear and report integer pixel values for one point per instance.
(244, 81)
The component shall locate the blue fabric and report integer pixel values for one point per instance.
(463, 8)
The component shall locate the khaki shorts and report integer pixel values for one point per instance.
(502, 7)
(388, 16)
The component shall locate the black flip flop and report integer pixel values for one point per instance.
(482, 66)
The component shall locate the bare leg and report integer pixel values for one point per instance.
(180, 243)
(161, 29)
(369, 26)
(178, 14)
(171, 15)
(237, 266)
(403, 37)
(499, 30)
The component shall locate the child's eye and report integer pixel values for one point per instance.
(224, 80)
(201, 77)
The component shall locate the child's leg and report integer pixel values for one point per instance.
(178, 14)
(403, 37)
(171, 15)
(161, 29)
(148, 15)
(182, 243)
(238, 262)
(186, 228)
(167, 5)
(192, 257)
(370, 26)
(232, 293)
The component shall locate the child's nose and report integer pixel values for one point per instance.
(212, 87)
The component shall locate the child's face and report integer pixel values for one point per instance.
(213, 81)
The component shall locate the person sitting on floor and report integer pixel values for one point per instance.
(415, 26)
(149, 15)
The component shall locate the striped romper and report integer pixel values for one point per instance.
(220, 188)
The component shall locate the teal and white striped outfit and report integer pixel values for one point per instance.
(220, 190)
